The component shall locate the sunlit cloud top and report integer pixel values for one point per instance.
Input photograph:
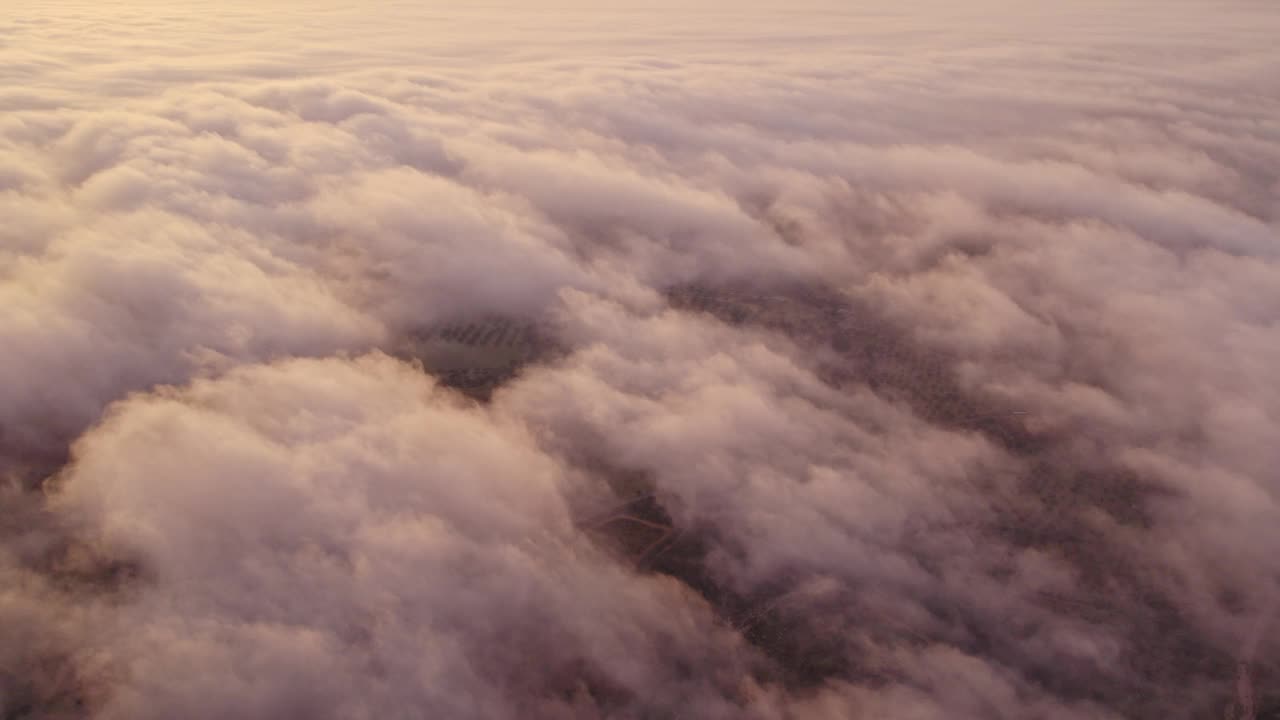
(567, 360)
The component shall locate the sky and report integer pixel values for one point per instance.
(903, 360)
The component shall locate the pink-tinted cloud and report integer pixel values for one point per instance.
(909, 361)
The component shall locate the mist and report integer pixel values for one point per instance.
(533, 360)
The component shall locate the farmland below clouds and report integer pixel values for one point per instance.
(535, 360)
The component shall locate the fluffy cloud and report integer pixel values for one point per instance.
(346, 540)
(908, 362)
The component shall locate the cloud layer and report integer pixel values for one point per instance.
(903, 362)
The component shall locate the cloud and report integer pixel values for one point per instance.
(338, 538)
(899, 362)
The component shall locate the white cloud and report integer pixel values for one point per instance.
(978, 421)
